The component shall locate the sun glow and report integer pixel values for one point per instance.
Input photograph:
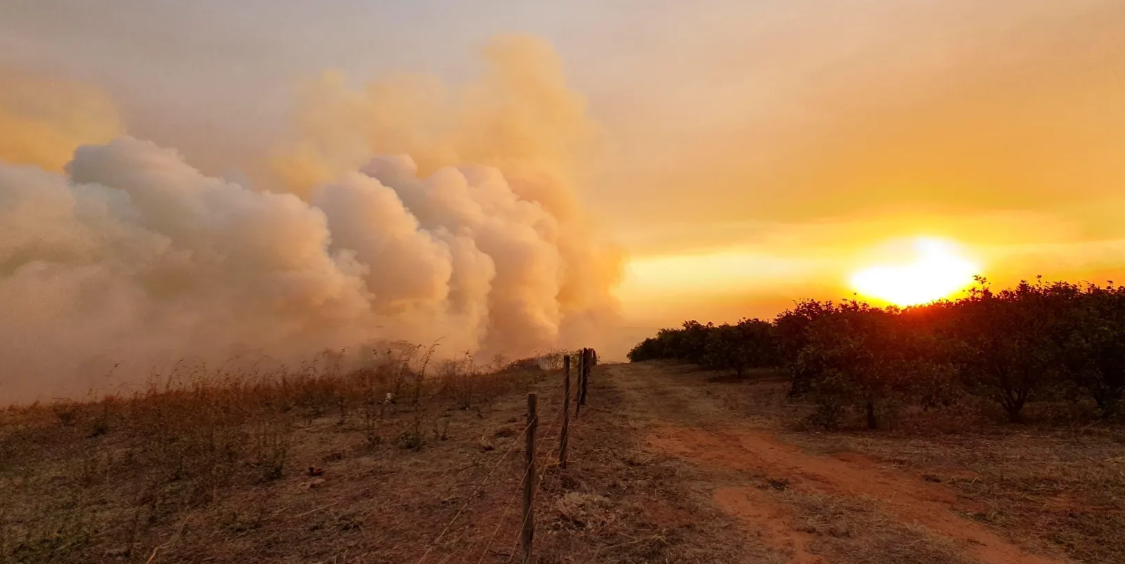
(936, 271)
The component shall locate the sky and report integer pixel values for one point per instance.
(741, 154)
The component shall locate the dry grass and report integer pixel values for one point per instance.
(620, 503)
(852, 530)
(315, 466)
(287, 466)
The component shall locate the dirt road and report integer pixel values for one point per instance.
(803, 507)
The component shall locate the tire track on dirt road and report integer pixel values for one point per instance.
(685, 420)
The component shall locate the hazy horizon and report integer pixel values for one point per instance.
(657, 162)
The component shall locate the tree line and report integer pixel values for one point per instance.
(1058, 341)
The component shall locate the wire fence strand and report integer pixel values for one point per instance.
(473, 494)
(503, 517)
(538, 487)
(508, 505)
(548, 455)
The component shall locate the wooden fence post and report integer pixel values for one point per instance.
(578, 389)
(585, 375)
(529, 482)
(565, 412)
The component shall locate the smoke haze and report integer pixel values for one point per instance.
(745, 153)
(393, 213)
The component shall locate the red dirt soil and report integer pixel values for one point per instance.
(910, 498)
(757, 511)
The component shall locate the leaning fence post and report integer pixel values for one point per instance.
(565, 412)
(529, 481)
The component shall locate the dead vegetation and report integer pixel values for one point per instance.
(407, 460)
(209, 464)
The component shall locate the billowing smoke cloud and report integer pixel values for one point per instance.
(417, 230)
(521, 119)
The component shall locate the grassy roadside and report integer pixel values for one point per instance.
(322, 468)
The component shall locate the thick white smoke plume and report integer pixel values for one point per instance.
(133, 256)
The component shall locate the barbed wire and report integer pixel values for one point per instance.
(474, 493)
(547, 435)
(503, 517)
(535, 495)
(553, 482)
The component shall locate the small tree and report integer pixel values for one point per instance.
(692, 345)
(792, 336)
(1008, 351)
(747, 344)
(649, 349)
(687, 343)
(1093, 344)
(855, 355)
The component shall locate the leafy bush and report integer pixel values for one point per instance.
(747, 344)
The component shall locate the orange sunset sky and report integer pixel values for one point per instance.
(740, 155)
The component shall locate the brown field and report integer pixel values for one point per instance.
(667, 464)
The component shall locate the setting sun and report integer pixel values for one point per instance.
(936, 271)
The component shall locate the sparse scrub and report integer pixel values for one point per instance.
(460, 377)
(272, 442)
(553, 360)
(66, 411)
